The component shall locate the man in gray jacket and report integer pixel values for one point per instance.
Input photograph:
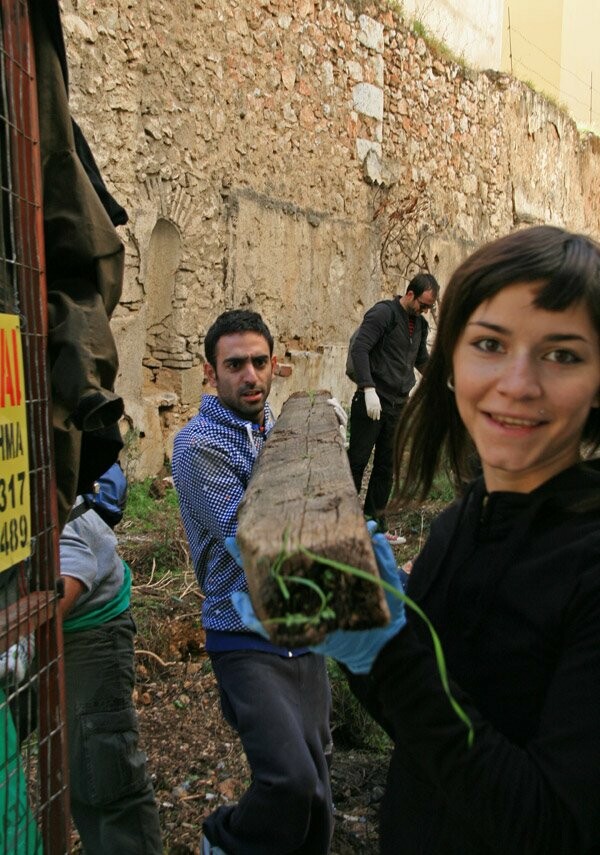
(391, 342)
(112, 799)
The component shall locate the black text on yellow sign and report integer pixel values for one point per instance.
(15, 511)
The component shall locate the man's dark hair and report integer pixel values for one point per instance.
(423, 282)
(231, 322)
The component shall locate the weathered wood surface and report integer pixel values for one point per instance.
(301, 496)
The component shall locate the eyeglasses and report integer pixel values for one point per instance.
(424, 307)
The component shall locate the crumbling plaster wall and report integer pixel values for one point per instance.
(252, 143)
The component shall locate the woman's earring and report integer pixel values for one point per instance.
(450, 383)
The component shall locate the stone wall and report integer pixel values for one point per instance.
(265, 151)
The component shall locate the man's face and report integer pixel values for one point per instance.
(420, 305)
(243, 374)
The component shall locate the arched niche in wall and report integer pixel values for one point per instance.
(164, 256)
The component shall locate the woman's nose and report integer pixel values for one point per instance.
(519, 378)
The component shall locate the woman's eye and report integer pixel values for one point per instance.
(564, 357)
(488, 345)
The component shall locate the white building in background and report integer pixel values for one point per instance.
(551, 44)
(472, 29)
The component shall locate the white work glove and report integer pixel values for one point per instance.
(17, 659)
(372, 403)
(342, 417)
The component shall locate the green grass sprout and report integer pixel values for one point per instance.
(325, 612)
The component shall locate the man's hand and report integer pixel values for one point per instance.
(372, 403)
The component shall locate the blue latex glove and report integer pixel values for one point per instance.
(357, 649)
(240, 600)
(233, 549)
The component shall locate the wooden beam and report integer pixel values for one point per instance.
(301, 496)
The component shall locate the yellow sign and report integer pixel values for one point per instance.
(15, 510)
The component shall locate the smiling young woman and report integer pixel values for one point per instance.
(525, 380)
(510, 574)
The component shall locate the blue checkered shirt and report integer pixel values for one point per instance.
(213, 457)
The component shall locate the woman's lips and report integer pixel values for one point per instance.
(515, 421)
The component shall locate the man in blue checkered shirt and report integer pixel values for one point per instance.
(278, 700)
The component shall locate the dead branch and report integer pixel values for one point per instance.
(406, 228)
(156, 657)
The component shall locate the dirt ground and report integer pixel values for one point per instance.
(195, 759)
(198, 764)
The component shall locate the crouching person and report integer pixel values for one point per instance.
(112, 800)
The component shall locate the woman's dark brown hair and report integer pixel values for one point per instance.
(431, 431)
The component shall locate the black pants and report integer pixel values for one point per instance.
(112, 800)
(280, 708)
(366, 434)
